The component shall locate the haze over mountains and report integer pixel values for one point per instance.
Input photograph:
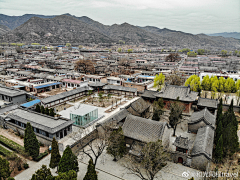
(68, 28)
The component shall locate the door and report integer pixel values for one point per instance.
(180, 160)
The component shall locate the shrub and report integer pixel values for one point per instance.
(25, 165)
(13, 146)
(41, 155)
(5, 152)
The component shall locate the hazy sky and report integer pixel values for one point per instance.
(193, 16)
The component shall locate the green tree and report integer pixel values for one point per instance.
(206, 83)
(159, 81)
(192, 54)
(31, 144)
(46, 111)
(200, 51)
(10, 178)
(119, 50)
(38, 108)
(43, 173)
(4, 169)
(116, 144)
(194, 83)
(42, 109)
(91, 172)
(219, 150)
(68, 45)
(219, 132)
(130, 50)
(70, 175)
(230, 127)
(224, 52)
(51, 112)
(55, 155)
(157, 109)
(68, 161)
(176, 110)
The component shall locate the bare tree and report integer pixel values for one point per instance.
(151, 160)
(96, 143)
(175, 117)
(173, 57)
(86, 65)
(175, 79)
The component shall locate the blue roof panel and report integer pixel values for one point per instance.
(31, 103)
(47, 85)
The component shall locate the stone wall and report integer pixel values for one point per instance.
(77, 146)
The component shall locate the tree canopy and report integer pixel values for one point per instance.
(68, 161)
(31, 143)
(159, 81)
(116, 144)
(4, 169)
(173, 57)
(91, 172)
(87, 66)
(55, 155)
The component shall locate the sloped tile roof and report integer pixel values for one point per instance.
(203, 115)
(173, 92)
(213, 103)
(138, 106)
(203, 143)
(149, 94)
(181, 142)
(145, 130)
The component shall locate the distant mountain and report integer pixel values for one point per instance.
(60, 29)
(68, 28)
(14, 21)
(235, 35)
(180, 38)
(4, 29)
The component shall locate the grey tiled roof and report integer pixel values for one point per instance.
(138, 106)
(118, 116)
(8, 91)
(145, 130)
(40, 121)
(181, 142)
(203, 143)
(64, 95)
(119, 88)
(213, 103)
(97, 84)
(203, 115)
(149, 94)
(183, 92)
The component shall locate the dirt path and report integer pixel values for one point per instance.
(10, 135)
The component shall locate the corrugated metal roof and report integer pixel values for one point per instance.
(31, 103)
(47, 85)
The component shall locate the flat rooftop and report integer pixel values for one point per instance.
(81, 109)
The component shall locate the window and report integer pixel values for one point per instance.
(57, 134)
(69, 128)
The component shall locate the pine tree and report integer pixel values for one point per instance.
(68, 161)
(55, 155)
(38, 108)
(43, 173)
(219, 112)
(31, 144)
(219, 132)
(51, 112)
(46, 111)
(219, 150)
(42, 110)
(4, 169)
(91, 172)
(70, 175)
